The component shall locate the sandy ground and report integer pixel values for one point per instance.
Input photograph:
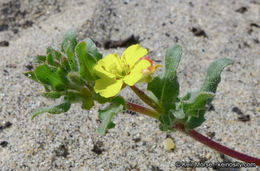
(207, 30)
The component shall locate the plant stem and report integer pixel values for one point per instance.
(143, 110)
(146, 98)
(197, 136)
(220, 148)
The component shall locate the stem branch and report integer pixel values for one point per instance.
(143, 110)
(197, 136)
(218, 147)
(146, 98)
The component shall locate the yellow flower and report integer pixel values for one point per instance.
(114, 72)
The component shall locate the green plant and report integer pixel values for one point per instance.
(79, 74)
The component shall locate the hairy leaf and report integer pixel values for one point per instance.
(213, 75)
(54, 53)
(92, 49)
(50, 76)
(86, 61)
(166, 88)
(87, 103)
(39, 59)
(194, 122)
(31, 75)
(69, 41)
(178, 114)
(52, 94)
(51, 60)
(61, 108)
(166, 121)
(68, 46)
(72, 59)
(83, 96)
(76, 79)
(172, 60)
(64, 65)
(196, 104)
(117, 105)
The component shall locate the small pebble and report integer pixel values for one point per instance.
(149, 139)
(211, 134)
(208, 156)
(237, 110)
(242, 10)
(3, 143)
(4, 43)
(8, 124)
(244, 118)
(168, 144)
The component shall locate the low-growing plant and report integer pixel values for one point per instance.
(79, 74)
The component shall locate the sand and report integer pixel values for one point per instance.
(69, 141)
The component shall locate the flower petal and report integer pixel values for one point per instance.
(101, 72)
(133, 53)
(104, 66)
(112, 61)
(136, 73)
(108, 87)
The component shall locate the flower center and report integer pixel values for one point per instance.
(120, 70)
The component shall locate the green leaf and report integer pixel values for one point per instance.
(99, 98)
(194, 107)
(50, 76)
(55, 54)
(73, 96)
(172, 60)
(87, 99)
(196, 104)
(52, 94)
(87, 103)
(92, 49)
(213, 75)
(155, 86)
(166, 88)
(117, 105)
(31, 75)
(72, 59)
(194, 122)
(152, 96)
(76, 79)
(178, 114)
(61, 108)
(166, 121)
(86, 61)
(39, 59)
(68, 46)
(83, 96)
(64, 65)
(69, 41)
(51, 61)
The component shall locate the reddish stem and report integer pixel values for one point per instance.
(143, 110)
(197, 136)
(145, 98)
(220, 148)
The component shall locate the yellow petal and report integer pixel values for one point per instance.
(133, 53)
(112, 61)
(101, 72)
(105, 66)
(108, 87)
(136, 72)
